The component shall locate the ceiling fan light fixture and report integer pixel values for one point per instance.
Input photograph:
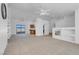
(44, 13)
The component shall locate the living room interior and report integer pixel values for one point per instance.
(40, 29)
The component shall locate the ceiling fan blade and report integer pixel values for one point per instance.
(44, 13)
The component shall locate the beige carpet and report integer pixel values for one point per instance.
(43, 45)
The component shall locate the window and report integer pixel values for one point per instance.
(20, 28)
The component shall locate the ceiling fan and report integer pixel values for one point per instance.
(44, 11)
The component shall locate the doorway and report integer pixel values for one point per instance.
(43, 29)
(32, 29)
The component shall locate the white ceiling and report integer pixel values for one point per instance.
(56, 9)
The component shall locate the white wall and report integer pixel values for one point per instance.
(77, 26)
(67, 21)
(12, 21)
(39, 27)
(51, 24)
